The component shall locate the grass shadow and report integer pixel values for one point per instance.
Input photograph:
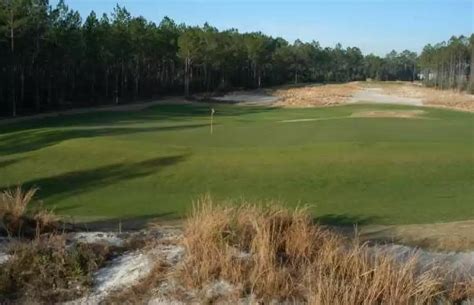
(28, 141)
(135, 223)
(6, 163)
(76, 182)
(343, 220)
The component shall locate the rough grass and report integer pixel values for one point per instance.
(278, 254)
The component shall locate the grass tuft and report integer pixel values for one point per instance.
(18, 218)
(279, 254)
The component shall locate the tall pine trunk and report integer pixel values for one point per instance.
(13, 67)
(106, 82)
(37, 89)
(187, 68)
(22, 86)
(13, 88)
(116, 92)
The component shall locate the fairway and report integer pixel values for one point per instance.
(345, 166)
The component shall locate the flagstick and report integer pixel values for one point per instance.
(212, 121)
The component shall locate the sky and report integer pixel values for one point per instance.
(375, 26)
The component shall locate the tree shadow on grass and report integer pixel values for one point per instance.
(6, 163)
(347, 225)
(31, 136)
(344, 220)
(34, 140)
(117, 224)
(76, 182)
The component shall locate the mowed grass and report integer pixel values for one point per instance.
(155, 162)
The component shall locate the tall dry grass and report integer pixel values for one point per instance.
(15, 201)
(278, 254)
(17, 216)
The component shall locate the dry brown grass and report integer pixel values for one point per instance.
(430, 96)
(310, 96)
(335, 94)
(15, 202)
(276, 254)
(17, 217)
(45, 220)
(449, 99)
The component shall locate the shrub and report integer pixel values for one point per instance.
(48, 271)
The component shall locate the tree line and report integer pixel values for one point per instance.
(449, 64)
(50, 58)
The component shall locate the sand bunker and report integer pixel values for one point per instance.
(416, 92)
(404, 114)
(378, 96)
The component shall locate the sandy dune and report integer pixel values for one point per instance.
(378, 96)
(399, 93)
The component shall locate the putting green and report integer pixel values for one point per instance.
(347, 167)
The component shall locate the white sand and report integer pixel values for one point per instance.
(376, 95)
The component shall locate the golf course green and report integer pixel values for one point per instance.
(344, 166)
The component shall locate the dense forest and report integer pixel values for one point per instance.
(50, 58)
(449, 65)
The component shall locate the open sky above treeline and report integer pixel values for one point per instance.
(375, 26)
